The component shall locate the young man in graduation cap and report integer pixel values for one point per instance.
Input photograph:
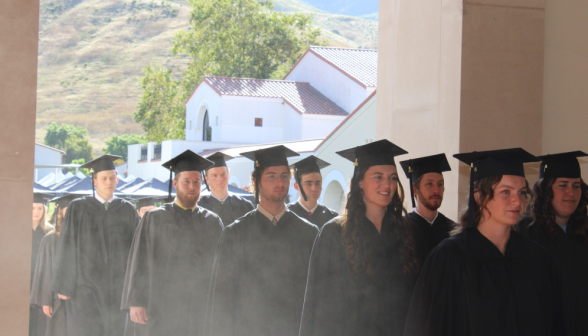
(92, 255)
(427, 186)
(262, 259)
(228, 207)
(170, 264)
(309, 183)
(145, 204)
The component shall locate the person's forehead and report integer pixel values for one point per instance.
(218, 170)
(432, 176)
(277, 170)
(511, 181)
(189, 175)
(314, 176)
(383, 169)
(106, 173)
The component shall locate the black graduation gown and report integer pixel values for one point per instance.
(427, 236)
(37, 320)
(91, 262)
(260, 273)
(41, 294)
(169, 269)
(468, 287)
(229, 210)
(341, 301)
(319, 217)
(571, 260)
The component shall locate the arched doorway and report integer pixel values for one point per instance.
(206, 129)
(334, 197)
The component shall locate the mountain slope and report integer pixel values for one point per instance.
(92, 52)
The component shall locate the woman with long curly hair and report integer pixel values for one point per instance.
(364, 265)
(42, 298)
(560, 224)
(488, 279)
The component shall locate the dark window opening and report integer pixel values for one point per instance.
(143, 153)
(206, 129)
(157, 152)
(258, 122)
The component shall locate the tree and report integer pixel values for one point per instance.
(84, 171)
(230, 38)
(76, 148)
(58, 134)
(118, 144)
(161, 109)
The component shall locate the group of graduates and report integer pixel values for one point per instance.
(516, 263)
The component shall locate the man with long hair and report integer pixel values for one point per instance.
(427, 187)
(262, 259)
(91, 257)
(560, 224)
(228, 207)
(170, 264)
(309, 183)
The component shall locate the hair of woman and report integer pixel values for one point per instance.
(484, 190)
(58, 222)
(544, 214)
(358, 248)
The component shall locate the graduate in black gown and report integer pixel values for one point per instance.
(92, 255)
(487, 279)
(427, 187)
(38, 320)
(42, 298)
(262, 259)
(559, 223)
(309, 183)
(364, 265)
(170, 265)
(227, 207)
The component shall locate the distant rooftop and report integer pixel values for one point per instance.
(299, 146)
(359, 64)
(300, 96)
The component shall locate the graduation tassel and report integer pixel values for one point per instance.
(297, 177)
(205, 182)
(472, 201)
(169, 187)
(92, 174)
(411, 186)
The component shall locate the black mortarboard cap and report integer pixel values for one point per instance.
(415, 168)
(311, 164)
(219, 159)
(63, 201)
(41, 198)
(376, 153)
(145, 201)
(561, 165)
(270, 157)
(187, 161)
(493, 163)
(105, 162)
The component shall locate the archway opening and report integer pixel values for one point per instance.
(334, 197)
(206, 129)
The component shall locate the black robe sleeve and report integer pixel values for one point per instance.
(41, 294)
(436, 294)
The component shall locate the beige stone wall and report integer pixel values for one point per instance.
(19, 26)
(419, 60)
(565, 95)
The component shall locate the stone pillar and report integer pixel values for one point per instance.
(19, 31)
(418, 99)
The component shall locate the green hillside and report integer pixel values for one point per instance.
(91, 54)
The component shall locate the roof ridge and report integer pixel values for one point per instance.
(342, 48)
(272, 143)
(257, 79)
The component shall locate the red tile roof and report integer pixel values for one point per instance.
(302, 97)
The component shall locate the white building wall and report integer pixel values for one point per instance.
(205, 98)
(338, 87)
(292, 124)
(46, 156)
(239, 113)
(319, 126)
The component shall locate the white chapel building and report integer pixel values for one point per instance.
(236, 115)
